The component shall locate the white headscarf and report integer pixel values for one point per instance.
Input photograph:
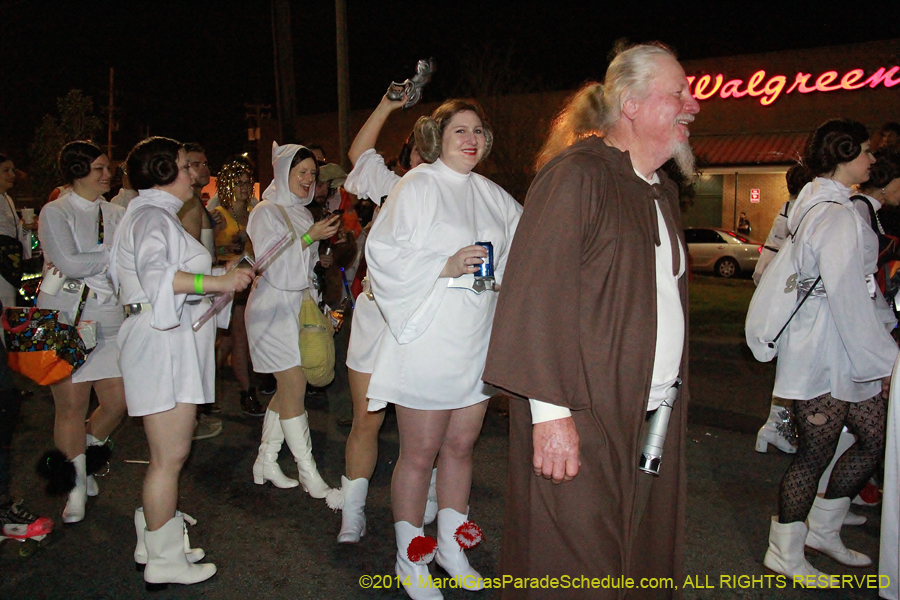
(279, 191)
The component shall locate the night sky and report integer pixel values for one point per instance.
(185, 69)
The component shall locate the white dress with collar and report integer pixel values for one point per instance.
(69, 233)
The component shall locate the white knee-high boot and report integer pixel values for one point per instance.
(353, 519)
(785, 554)
(296, 434)
(74, 511)
(266, 466)
(166, 560)
(453, 537)
(140, 549)
(414, 552)
(825, 520)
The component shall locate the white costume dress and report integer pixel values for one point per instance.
(435, 355)
(69, 233)
(272, 314)
(163, 361)
(10, 226)
(370, 178)
(837, 342)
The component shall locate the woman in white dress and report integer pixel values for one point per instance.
(422, 256)
(835, 357)
(272, 313)
(76, 232)
(370, 178)
(162, 275)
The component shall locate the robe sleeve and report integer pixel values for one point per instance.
(157, 249)
(60, 248)
(370, 177)
(404, 271)
(534, 349)
(870, 347)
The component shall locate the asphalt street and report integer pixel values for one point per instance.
(271, 543)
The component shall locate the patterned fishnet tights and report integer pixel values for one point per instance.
(819, 423)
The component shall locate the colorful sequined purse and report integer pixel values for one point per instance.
(40, 346)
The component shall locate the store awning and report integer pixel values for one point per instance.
(749, 149)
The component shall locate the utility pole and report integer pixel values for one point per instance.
(285, 89)
(111, 122)
(343, 77)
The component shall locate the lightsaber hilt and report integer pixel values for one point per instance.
(651, 457)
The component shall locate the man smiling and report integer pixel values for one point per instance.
(600, 237)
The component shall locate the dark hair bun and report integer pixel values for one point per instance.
(153, 162)
(75, 159)
(834, 142)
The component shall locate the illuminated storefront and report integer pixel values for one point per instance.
(756, 112)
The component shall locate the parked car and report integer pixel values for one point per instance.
(720, 251)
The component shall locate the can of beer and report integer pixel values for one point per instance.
(486, 270)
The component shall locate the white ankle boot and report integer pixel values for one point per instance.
(296, 434)
(353, 519)
(412, 562)
(92, 488)
(431, 505)
(266, 466)
(166, 560)
(773, 432)
(452, 537)
(74, 511)
(785, 554)
(825, 520)
(140, 550)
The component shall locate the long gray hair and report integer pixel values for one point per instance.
(597, 107)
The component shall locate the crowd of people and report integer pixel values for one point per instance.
(452, 302)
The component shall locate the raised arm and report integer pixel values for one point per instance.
(368, 135)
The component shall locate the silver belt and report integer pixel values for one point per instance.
(136, 309)
(804, 286)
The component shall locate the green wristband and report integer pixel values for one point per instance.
(198, 283)
(306, 238)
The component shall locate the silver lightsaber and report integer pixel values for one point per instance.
(651, 457)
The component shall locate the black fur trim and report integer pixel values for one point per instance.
(58, 471)
(97, 457)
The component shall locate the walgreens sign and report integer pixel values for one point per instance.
(768, 88)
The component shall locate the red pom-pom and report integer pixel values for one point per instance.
(421, 549)
(468, 535)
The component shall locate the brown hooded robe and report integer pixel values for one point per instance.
(576, 327)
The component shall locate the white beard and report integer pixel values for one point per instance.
(684, 158)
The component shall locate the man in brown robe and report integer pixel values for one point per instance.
(576, 333)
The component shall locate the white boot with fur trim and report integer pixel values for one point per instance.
(414, 552)
(456, 534)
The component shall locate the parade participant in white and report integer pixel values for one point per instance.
(835, 356)
(370, 178)
(11, 225)
(273, 326)
(889, 556)
(162, 274)
(431, 363)
(76, 232)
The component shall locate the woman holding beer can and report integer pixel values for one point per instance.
(423, 258)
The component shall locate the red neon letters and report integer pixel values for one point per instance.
(706, 86)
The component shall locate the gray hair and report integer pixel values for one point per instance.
(596, 108)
